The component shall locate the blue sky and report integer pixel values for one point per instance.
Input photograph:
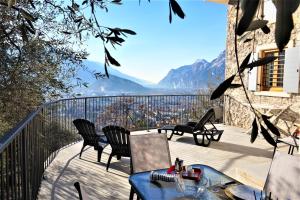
(158, 45)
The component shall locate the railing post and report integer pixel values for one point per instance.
(148, 113)
(85, 109)
(24, 167)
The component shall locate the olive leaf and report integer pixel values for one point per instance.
(249, 8)
(260, 62)
(105, 68)
(170, 13)
(219, 91)
(177, 9)
(27, 15)
(234, 85)
(248, 40)
(257, 24)
(284, 21)
(270, 126)
(266, 29)
(254, 131)
(128, 31)
(267, 136)
(245, 62)
(110, 59)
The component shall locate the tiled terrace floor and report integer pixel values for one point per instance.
(233, 154)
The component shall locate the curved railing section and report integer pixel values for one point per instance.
(28, 149)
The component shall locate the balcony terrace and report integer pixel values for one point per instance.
(234, 155)
(39, 158)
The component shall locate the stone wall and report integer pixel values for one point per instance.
(237, 109)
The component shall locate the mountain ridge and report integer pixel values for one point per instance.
(196, 75)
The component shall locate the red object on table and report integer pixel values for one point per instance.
(196, 176)
(171, 170)
(192, 176)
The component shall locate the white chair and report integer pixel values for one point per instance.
(283, 180)
(149, 152)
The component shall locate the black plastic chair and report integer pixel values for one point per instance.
(88, 132)
(118, 138)
(198, 129)
(81, 192)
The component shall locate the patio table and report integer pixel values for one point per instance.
(147, 190)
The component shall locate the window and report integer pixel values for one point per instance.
(272, 73)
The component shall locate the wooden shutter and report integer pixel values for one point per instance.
(291, 70)
(252, 75)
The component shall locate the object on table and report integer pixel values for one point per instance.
(178, 165)
(155, 176)
(195, 175)
(244, 192)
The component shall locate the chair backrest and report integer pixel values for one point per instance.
(81, 192)
(283, 178)
(87, 130)
(205, 118)
(118, 138)
(149, 152)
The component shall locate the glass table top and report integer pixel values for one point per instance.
(167, 190)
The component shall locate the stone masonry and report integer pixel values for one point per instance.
(237, 109)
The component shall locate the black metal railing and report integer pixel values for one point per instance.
(28, 149)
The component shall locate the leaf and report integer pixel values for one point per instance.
(115, 39)
(177, 9)
(67, 32)
(128, 31)
(71, 9)
(170, 13)
(245, 62)
(248, 40)
(266, 29)
(249, 9)
(270, 126)
(117, 2)
(30, 30)
(23, 30)
(106, 71)
(84, 2)
(32, 4)
(111, 59)
(234, 85)
(27, 15)
(284, 21)
(219, 91)
(30, 24)
(260, 62)
(257, 24)
(267, 136)
(79, 19)
(254, 131)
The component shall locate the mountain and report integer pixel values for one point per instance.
(113, 85)
(199, 75)
(91, 67)
(183, 80)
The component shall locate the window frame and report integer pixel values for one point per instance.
(263, 87)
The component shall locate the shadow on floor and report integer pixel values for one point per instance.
(232, 147)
